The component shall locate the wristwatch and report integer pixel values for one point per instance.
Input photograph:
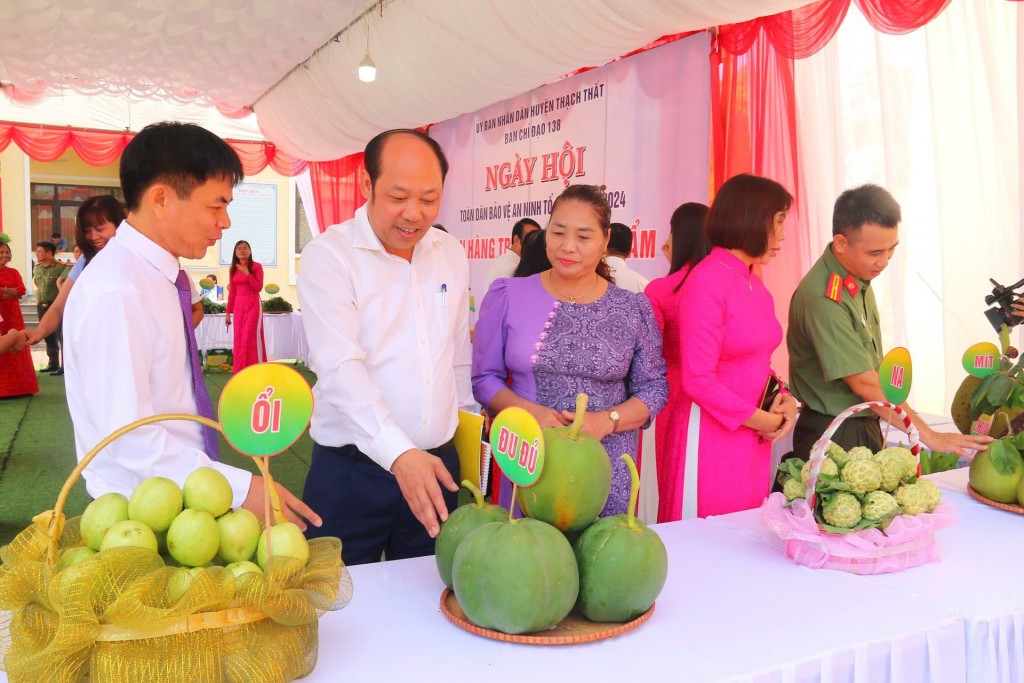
(613, 415)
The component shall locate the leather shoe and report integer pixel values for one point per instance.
(58, 371)
(50, 368)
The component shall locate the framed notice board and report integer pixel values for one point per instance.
(253, 213)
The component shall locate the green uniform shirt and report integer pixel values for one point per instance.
(829, 340)
(45, 280)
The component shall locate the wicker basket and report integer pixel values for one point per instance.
(111, 617)
(908, 541)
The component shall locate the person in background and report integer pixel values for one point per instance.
(534, 256)
(385, 306)
(245, 308)
(688, 245)
(44, 286)
(17, 376)
(620, 245)
(505, 264)
(132, 351)
(95, 224)
(835, 338)
(728, 333)
(569, 330)
(59, 243)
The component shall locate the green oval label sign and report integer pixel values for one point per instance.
(517, 442)
(265, 408)
(895, 373)
(981, 359)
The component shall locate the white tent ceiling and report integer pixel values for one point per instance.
(295, 60)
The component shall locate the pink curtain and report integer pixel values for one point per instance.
(336, 192)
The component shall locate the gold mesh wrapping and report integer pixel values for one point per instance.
(111, 617)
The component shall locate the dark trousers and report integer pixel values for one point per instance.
(360, 503)
(53, 341)
(855, 431)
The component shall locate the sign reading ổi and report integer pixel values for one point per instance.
(981, 359)
(518, 446)
(265, 408)
(895, 373)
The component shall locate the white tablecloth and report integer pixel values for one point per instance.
(282, 332)
(978, 578)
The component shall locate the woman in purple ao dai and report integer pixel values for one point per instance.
(540, 340)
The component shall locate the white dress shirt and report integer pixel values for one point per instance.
(388, 340)
(502, 266)
(126, 358)
(625, 277)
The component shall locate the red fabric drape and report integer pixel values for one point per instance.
(336, 191)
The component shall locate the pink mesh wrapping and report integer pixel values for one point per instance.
(908, 541)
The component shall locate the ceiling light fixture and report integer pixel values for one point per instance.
(367, 69)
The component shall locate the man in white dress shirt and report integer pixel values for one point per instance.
(620, 244)
(385, 306)
(505, 264)
(127, 355)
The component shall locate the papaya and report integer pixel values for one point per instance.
(573, 487)
(459, 524)
(515, 576)
(623, 564)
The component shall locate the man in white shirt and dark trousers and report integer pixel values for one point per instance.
(620, 245)
(385, 306)
(131, 344)
(505, 264)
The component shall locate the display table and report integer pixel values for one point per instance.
(977, 579)
(283, 333)
(731, 610)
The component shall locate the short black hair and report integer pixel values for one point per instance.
(621, 239)
(742, 214)
(865, 204)
(183, 155)
(517, 229)
(374, 148)
(56, 233)
(48, 246)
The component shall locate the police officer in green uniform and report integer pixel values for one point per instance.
(834, 337)
(44, 285)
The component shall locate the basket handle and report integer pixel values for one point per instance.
(55, 525)
(818, 451)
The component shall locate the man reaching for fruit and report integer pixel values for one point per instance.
(385, 306)
(129, 319)
(834, 337)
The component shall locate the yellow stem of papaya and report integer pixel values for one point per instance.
(581, 413)
(512, 505)
(477, 493)
(634, 491)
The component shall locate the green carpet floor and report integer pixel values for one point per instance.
(37, 453)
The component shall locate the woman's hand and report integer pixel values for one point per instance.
(547, 417)
(597, 424)
(785, 405)
(227, 319)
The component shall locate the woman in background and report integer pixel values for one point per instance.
(17, 375)
(245, 309)
(534, 256)
(96, 223)
(686, 245)
(729, 331)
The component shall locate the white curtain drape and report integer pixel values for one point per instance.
(933, 116)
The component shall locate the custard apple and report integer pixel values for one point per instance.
(909, 458)
(842, 511)
(933, 491)
(837, 453)
(794, 489)
(863, 475)
(878, 505)
(913, 498)
(858, 453)
(828, 466)
(893, 468)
